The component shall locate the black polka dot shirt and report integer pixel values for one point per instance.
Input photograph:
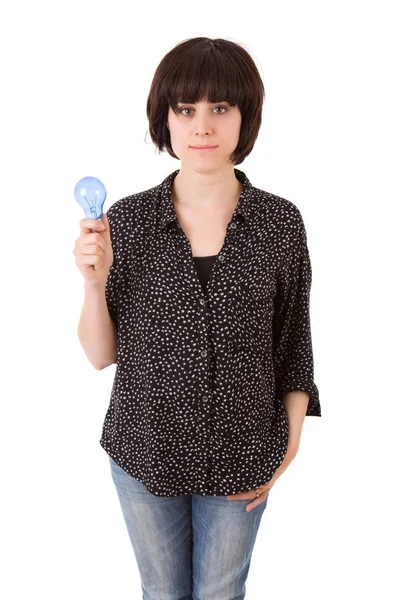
(206, 351)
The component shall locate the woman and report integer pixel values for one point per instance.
(198, 289)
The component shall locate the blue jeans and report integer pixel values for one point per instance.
(188, 547)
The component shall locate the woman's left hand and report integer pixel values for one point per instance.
(266, 488)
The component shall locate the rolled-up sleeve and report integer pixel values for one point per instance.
(111, 290)
(292, 342)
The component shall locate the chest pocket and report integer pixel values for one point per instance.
(249, 317)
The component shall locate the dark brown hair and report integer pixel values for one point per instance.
(215, 70)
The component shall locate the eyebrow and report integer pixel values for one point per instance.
(217, 102)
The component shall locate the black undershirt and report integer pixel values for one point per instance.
(204, 265)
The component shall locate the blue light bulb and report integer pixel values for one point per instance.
(90, 193)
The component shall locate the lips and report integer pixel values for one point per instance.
(203, 149)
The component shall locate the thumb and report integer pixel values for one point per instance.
(105, 221)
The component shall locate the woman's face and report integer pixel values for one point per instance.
(214, 124)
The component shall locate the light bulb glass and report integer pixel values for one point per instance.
(90, 194)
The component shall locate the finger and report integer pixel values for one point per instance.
(256, 502)
(91, 249)
(88, 225)
(252, 505)
(241, 496)
(250, 494)
(92, 239)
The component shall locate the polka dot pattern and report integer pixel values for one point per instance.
(196, 403)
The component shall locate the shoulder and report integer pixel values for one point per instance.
(128, 212)
(284, 213)
(134, 203)
(282, 219)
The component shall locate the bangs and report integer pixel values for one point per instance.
(209, 75)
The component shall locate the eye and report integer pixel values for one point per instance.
(225, 108)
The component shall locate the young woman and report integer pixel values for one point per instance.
(198, 289)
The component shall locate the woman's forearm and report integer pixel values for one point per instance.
(96, 330)
(295, 404)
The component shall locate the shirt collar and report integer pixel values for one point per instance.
(166, 204)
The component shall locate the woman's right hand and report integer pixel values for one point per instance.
(93, 250)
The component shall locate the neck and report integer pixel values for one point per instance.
(206, 190)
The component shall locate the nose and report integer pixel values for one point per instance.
(202, 124)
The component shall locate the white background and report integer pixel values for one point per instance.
(75, 78)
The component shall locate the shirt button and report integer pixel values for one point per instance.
(233, 225)
(205, 398)
(204, 352)
(221, 257)
(202, 301)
